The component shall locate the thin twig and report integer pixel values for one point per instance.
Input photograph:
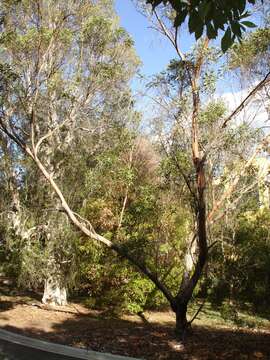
(197, 312)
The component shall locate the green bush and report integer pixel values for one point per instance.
(228, 312)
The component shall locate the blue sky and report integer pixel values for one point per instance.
(154, 50)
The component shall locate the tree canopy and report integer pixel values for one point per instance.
(210, 16)
(131, 216)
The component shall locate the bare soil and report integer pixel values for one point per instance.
(149, 337)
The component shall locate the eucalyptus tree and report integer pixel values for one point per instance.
(12, 219)
(211, 152)
(65, 69)
(64, 72)
(248, 62)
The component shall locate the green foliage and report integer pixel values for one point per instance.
(211, 16)
(213, 112)
(252, 49)
(228, 312)
(153, 226)
(242, 265)
(135, 293)
(136, 191)
(97, 27)
(7, 79)
(66, 58)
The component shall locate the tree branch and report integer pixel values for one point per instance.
(239, 108)
(91, 232)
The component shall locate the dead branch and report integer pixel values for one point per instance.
(247, 99)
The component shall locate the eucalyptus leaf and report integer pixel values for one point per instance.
(248, 24)
(227, 40)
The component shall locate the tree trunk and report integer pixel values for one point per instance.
(181, 325)
(54, 292)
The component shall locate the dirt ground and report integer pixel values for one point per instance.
(151, 337)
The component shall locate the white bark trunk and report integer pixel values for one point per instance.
(54, 293)
(190, 256)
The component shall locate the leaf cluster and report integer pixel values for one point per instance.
(210, 16)
(250, 51)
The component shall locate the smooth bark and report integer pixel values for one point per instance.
(54, 292)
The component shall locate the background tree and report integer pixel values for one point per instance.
(55, 84)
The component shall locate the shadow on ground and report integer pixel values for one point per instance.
(156, 341)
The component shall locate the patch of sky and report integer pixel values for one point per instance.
(155, 52)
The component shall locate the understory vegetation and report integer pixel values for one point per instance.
(125, 211)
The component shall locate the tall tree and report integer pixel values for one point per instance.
(76, 69)
(71, 65)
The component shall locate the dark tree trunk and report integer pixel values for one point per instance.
(181, 325)
(191, 277)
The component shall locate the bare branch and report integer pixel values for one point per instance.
(197, 312)
(172, 39)
(127, 189)
(247, 99)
